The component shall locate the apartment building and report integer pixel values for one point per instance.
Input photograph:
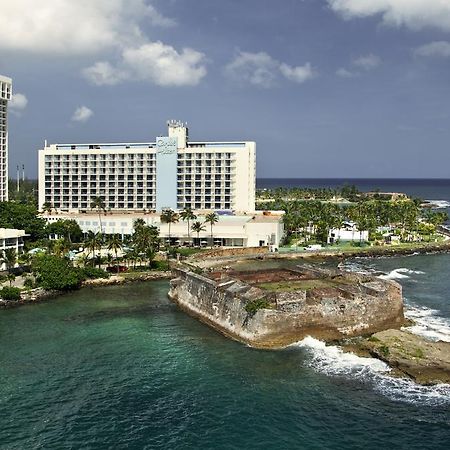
(171, 172)
(11, 238)
(5, 97)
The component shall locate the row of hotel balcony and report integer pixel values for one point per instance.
(101, 157)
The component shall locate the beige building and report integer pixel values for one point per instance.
(171, 172)
(11, 238)
(5, 97)
(249, 230)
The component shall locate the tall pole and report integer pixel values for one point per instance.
(18, 179)
(23, 172)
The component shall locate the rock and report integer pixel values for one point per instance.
(424, 361)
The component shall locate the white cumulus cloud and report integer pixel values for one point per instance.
(299, 74)
(18, 103)
(103, 73)
(162, 65)
(74, 27)
(260, 69)
(440, 49)
(345, 73)
(82, 114)
(153, 62)
(413, 14)
(367, 62)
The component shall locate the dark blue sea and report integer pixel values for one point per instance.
(122, 368)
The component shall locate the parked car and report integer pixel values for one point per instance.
(116, 269)
(313, 247)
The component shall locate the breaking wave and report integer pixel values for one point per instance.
(439, 204)
(402, 273)
(427, 323)
(333, 361)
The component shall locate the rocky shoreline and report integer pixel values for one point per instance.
(409, 355)
(38, 294)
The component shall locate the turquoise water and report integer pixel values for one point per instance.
(122, 367)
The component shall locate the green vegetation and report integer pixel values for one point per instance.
(10, 293)
(22, 217)
(56, 273)
(291, 286)
(384, 350)
(311, 213)
(255, 305)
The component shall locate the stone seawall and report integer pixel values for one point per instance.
(363, 306)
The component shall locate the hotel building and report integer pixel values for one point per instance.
(171, 172)
(5, 97)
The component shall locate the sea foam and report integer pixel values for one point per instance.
(333, 361)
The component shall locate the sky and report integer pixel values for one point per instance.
(326, 88)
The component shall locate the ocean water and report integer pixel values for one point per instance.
(122, 367)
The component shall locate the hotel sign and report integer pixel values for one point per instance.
(166, 145)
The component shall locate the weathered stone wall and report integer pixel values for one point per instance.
(294, 316)
(237, 251)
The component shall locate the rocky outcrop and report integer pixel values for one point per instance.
(424, 361)
(352, 305)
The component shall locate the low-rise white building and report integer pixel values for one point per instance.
(348, 232)
(11, 238)
(256, 229)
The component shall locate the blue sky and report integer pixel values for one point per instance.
(327, 88)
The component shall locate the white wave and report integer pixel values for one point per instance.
(439, 204)
(332, 360)
(401, 273)
(428, 323)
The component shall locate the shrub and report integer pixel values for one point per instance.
(255, 305)
(10, 293)
(54, 272)
(90, 272)
(29, 283)
(159, 265)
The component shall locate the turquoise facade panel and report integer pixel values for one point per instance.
(166, 173)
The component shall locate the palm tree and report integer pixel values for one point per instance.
(186, 216)
(115, 244)
(94, 242)
(99, 204)
(9, 259)
(211, 218)
(47, 207)
(138, 224)
(169, 216)
(198, 227)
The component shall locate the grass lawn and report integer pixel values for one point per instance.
(290, 286)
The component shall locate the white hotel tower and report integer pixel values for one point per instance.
(5, 97)
(171, 172)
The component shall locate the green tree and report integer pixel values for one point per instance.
(198, 227)
(186, 216)
(115, 244)
(211, 218)
(69, 229)
(9, 259)
(22, 217)
(169, 216)
(98, 204)
(47, 207)
(56, 273)
(93, 243)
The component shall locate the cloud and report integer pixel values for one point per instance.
(260, 69)
(82, 114)
(413, 14)
(153, 62)
(299, 74)
(440, 49)
(103, 73)
(18, 103)
(344, 73)
(75, 27)
(367, 62)
(162, 65)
